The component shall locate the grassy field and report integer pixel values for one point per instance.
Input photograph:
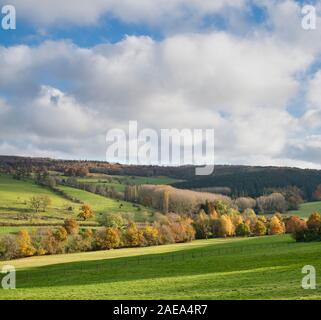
(15, 211)
(119, 182)
(102, 204)
(248, 268)
(306, 209)
(14, 199)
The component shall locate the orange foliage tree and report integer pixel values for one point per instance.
(314, 222)
(276, 226)
(294, 224)
(71, 226)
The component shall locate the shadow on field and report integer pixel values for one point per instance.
(225, 257)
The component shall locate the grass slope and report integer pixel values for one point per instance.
(102, 204)
(14, 198)
(306, 209)
(250, 268)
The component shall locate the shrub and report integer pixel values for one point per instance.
(71, 226)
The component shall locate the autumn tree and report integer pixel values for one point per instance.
(25, 246)
(165, 204)
(314, 222)
(51, 243)
(108, 238)
(276, 226)
(226, 227)
(150, 234)
(259, 228)
(71, 226)
(202, 225)
(86, 212)
(133, 236)
(243, 230)
(61, 234)
(294, 224)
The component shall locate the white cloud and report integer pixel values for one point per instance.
(63, 98)
(48, 12)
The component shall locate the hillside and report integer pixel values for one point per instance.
(254, 181)
(102, 204)
(15, 196)
(239, 180)
(251, 268)
(306, 209)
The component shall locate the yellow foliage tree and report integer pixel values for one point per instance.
(276, 226)
(25, 246)
(151, 235)
(226, 226)
(133, 236)
(259, 228)
(86, 212)
(112, 239)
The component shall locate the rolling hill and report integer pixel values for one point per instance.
(249, 268)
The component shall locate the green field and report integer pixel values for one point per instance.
(119, 182)
(102, 204)
(306, 209)
(248, 268)
(14, 203)
(15, 211)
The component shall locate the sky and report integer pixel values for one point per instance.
(72, 70)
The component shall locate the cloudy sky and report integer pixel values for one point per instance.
(74, 69)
